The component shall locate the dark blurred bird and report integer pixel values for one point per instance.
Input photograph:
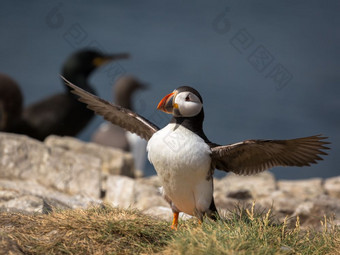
(61, 114)
(10, 103)
(115, 136)
(185, 159)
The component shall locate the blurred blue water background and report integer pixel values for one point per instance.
(266, 69)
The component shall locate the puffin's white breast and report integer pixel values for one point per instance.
(182, 161)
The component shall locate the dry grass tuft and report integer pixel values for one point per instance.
(104, 230)
(108, 230)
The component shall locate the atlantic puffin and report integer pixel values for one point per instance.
(60, 114)
(114, 136)
(185, 159)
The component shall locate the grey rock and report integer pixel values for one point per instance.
(113, 161)
(126, 192)
(151, 180)
(120, 191)
(228, 206)
(31, 197)
(161, 212)
(332, 186)
(71, 172)
(165, 213)
(311, 213)
(66, 173)
(20, 157)
(302, 189)
(147, 196)
(281, 203)
(24, 203)
(234, 188)
(23, 158)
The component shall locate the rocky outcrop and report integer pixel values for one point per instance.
(66, 173)
(113, 161)
(332, 187)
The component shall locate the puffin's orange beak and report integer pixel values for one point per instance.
(167, 103)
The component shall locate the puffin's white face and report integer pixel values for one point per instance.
(188, 104)
(181, 104)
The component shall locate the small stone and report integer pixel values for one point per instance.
(241, 194)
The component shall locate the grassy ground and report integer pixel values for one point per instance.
(109, 230)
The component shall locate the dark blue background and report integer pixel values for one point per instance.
(230, 51)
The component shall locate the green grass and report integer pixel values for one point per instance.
(246, 232)
(108, 230)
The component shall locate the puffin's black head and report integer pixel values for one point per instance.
(184, 101)
(85, 61)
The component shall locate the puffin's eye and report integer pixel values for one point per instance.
(187, 98)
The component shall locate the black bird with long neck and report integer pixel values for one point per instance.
(60, 114)
(114, 136)
(185, 159)
(111, 135)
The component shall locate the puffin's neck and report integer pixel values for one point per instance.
(194, 124)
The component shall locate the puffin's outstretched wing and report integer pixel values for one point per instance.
(116, 114)
(254, 156)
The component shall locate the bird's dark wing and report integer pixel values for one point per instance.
(116, 114)
(254, 156)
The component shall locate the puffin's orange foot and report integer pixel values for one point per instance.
(175, 221)
(173, 227)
